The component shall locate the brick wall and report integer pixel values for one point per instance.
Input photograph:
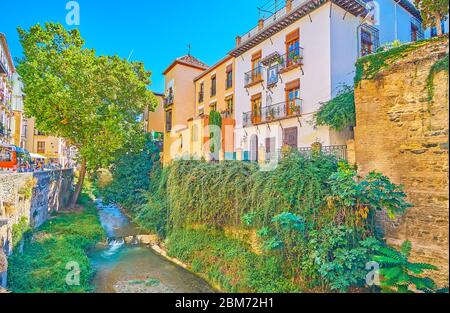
(404, 136)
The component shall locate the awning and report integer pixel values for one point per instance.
(37, 156)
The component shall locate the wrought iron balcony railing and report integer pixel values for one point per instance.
(168, 100)
(291, 59)
(254, 76)
(273, 112)
(337, 151)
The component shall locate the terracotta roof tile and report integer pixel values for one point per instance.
(189, 59)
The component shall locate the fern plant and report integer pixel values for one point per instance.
(399, 274)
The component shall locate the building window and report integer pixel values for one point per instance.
(256, 66)
(293, 98)
(41, 147)
(194, 133)
(213, 86)
(369, 40)
(169, 121)
(229, 80)
(213, 106)
(230, 106)
(434, 29)
(201, 93)
(292, 47)
(256, 109)
(270, 145)
(416, 30)
(366, 43)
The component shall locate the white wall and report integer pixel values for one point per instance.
(344, 48)
(315, 84)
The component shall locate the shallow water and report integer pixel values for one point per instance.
(135, 268)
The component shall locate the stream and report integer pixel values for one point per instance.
(135, 268)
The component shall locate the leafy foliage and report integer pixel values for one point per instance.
(215, 125)
(314, 217)
(91, 101)
(338, 113)
(20, 231)
(130, 173)
(136, 176)
(220, 194)
(66, 238)
(432, 12)
(399, 274)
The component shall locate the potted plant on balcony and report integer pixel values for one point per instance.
(271, 114)
(294, 108)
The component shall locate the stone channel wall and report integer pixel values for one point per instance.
(29, 196)
(405, 136)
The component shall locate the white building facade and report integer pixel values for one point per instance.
(299, 58)
(6, 71)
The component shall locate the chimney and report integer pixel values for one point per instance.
(260, 24)
(288, 6)
(238, 40)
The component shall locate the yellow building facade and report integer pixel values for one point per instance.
(154, 120)
(179, 105)
(214, 91)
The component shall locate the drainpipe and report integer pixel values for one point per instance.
(395, 17)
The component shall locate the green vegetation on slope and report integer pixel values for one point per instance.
(369, 66)
(228, 262)
(63, 239)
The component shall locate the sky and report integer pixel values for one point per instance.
(154, 32)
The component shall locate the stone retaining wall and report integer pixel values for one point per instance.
(405, 136)
(33, 196)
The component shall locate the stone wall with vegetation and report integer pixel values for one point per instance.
(26, 201)
(402, 131)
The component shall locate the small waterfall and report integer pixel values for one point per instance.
(114, 245)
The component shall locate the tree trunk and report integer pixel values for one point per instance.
(79, 185)
(438, 24)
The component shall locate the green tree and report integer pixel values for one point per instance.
(215, 126)
(433, 12)
(91, 101)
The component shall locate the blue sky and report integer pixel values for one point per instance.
(157, 31)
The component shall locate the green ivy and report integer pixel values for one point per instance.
(369, 66)
(215, 119)
(439, 66)
(338, 113)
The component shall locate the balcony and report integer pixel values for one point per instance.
(273, 112)
(338, 152)
(168, 101)
(253, 77)
(290, 60)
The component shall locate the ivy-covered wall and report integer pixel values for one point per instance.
(402, 132)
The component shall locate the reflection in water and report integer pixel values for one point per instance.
(134, 268)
